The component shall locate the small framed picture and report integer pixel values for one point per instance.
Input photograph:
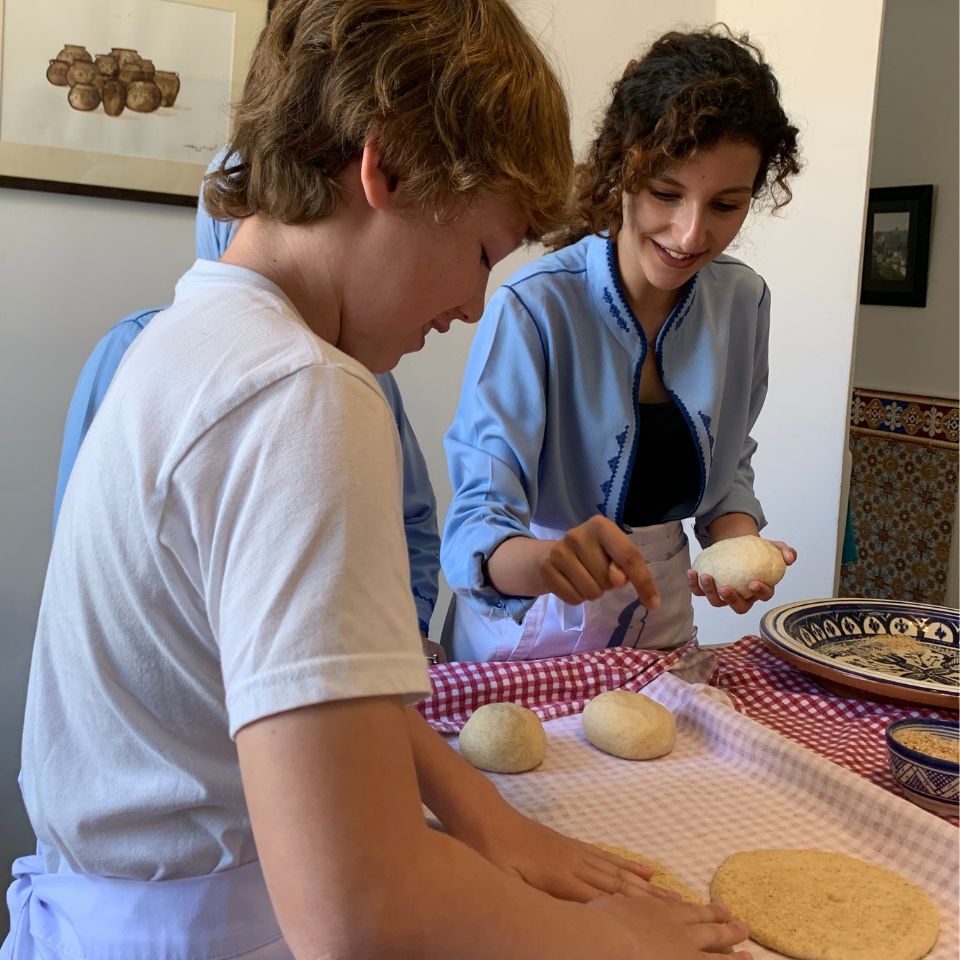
(897, 248)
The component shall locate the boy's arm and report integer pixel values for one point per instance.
(470, 809)
(333, 799)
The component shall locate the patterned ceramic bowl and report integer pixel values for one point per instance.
(878, 649)
(924, 761)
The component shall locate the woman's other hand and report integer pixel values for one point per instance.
(721, 595)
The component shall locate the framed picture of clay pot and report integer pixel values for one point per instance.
(897, 246)
(120, 98)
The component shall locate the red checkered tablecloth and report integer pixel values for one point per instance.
(848, 731)
(553, 687)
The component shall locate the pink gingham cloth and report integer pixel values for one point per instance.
(848, 731)
(757, 683)
(732, 784)
(551, 688)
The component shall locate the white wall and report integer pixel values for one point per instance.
(914, 349)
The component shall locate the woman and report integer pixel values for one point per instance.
(227, 638)
(612, 385)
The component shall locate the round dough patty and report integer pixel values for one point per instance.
(738, 561)
(629, 725)
(503, 738)
(813, 905)
(662, 876)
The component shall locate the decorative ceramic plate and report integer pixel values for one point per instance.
(882, 649)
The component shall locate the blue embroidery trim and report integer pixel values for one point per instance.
(625, 486)
(696, 439)
(614, 310)
(432, 601)
(681, 310)
(623, 625)
(613, 463)
(705, 420)
(677, 316)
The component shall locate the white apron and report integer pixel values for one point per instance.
(552, 628)
(67, 916)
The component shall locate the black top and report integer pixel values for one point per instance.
(666, 468)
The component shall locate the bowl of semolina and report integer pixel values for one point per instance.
(924, 756)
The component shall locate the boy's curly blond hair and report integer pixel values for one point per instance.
(456, 92)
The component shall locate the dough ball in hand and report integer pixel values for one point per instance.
(503, 738)
(738, 561)
(629, 725)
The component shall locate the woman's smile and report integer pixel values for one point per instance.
(676, 259)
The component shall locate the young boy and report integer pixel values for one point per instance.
(227, 638)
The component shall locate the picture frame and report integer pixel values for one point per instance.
(51, 141)
(897, 247)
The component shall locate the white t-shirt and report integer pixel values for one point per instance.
(230, 546)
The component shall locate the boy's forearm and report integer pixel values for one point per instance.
(478, 911)
(462, 798)
(351, 867)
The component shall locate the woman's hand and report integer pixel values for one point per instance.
(432, 650)
(703, 585)
(589, 560)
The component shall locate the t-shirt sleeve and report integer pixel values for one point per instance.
(288, 510)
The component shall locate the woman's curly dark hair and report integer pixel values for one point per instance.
(688, 92)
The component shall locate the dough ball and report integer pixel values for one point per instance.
(814, 905)
(503, 738)
(629, 725)
(739, 561)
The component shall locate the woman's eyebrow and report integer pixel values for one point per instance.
(676, 183)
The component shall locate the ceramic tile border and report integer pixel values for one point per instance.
(931, 421)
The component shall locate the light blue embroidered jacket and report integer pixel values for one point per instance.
(546, 430)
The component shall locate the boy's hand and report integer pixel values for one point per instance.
(556, 864)
(676, 930)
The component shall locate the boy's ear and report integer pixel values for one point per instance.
(379, 185)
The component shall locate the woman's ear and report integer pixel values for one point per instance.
(379, 186)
